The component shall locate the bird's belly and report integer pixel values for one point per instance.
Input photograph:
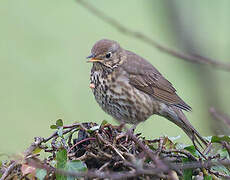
(124, 102)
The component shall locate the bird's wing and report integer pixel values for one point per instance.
(145, 77)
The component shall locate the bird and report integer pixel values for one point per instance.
(131, 89)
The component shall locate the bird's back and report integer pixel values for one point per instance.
(145, 77)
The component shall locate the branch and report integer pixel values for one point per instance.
(96, 174)
(220, 116)
(193, 58)
(137, 172)
(8, 170)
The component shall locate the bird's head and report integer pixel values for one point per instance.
(106, 52)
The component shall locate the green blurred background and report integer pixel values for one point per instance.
(44, 75)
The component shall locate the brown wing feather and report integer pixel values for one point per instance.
(148, 79)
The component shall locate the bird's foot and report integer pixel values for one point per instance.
(126, 134)
(196, 147)
(121, 126)
(132, 129)
(122, 135)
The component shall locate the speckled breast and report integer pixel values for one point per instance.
(119, 99)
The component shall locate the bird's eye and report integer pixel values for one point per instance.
(108, 55)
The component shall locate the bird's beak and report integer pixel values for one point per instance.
(93, 59)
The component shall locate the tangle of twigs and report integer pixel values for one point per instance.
(109, 152)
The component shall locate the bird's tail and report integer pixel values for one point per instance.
(176, 116)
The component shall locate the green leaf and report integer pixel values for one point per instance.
(104, 122)
(153, 146)
(53, 163)
(75, 166)
(61, 157)
(37, 150)
(180, 146)
(207, 177)
(187, 173)
(48, 145)
(70, 134)
(192, 150)
(168, 144)
(223, 153)
(60, 132)
(72, 166)
(222, 169)
(208, 138)
(59, 122)
(218, 139)
(53, 126)
(216, 149)
(94, 128)
(174, 138)
(0, 175)
(41, 173)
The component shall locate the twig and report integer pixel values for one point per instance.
(103, 166)
(72, 125)
(227, 146)
(96, 174)
(187, 153)
(124, 30)
(135, 157)
(173, 175)
(159, 163)
(200, 164)
(83, 140)
(120, 175)
(220, 116)
(8, 170)
(117, 151)
(220, 174)
(160, 146)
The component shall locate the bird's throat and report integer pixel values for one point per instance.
(98, 66)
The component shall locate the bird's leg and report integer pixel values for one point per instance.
(123, 134)
(121, 126)
(193, 141)
(160, 146)
(126, 135)
(130, 131)
(133, 127)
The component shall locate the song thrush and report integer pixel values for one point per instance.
(130, 89)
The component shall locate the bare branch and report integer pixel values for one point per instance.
(8, 170)
(220, 116)
(193, 58)
(121, 175)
